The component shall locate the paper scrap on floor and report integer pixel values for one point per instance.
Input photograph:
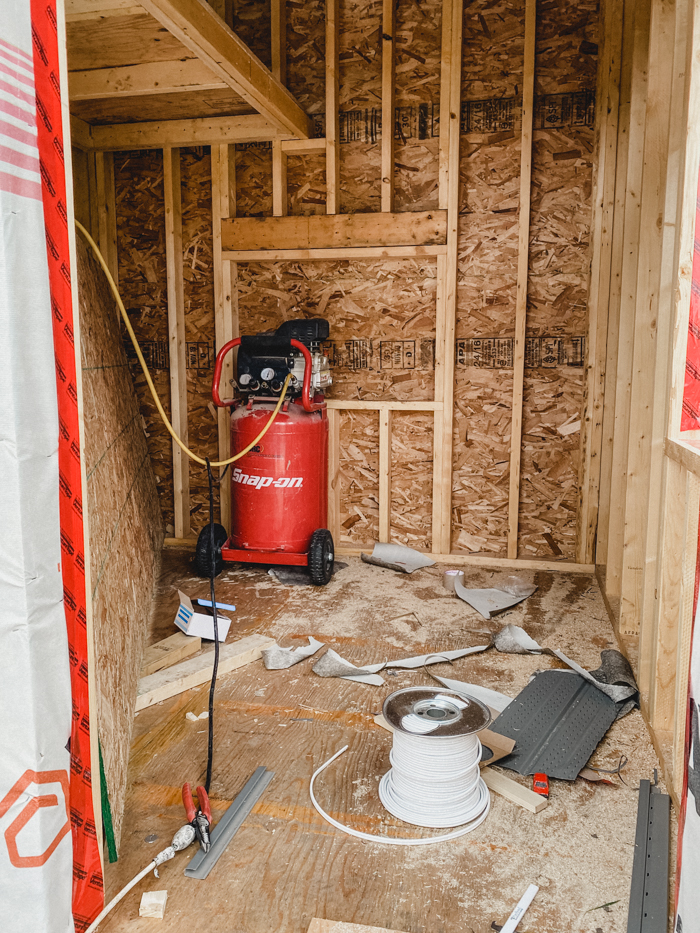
(397, 557)
(490, 600)
(201, 624)
(279, 659)
(332, 665)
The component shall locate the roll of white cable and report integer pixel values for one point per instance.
(434, 779)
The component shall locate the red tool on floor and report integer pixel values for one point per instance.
(540, 784)
(200, 818)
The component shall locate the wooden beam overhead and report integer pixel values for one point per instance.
(77, 10)
(137, 80)
(205, 131)
(335, 231)
(197, 26)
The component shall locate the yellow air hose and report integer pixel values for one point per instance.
(144, 367)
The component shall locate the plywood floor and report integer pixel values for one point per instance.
(286, 865)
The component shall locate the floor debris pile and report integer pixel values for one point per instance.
(558, 699)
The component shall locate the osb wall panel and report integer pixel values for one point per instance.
(195, 174)
(381, 315)
(124, 522)
(411, 478)
(417, 97)
(143, 286)
(360, 56)
(492, 70)
(567, 36)
(306, 184)
(557, 285)
(254, 180)
(359, 478)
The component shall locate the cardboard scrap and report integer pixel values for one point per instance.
(201, 624)
(153, 904)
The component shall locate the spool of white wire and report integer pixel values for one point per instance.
(434, 780)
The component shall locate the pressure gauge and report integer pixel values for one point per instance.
(267, 373)
(245, 379)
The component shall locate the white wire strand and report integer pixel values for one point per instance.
(394, 841)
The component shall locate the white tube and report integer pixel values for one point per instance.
(124, 891)
(517, 915)
(445, 837)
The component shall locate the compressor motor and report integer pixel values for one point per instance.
(279, 488)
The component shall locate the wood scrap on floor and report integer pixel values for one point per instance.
(195, 671)
(339, 926)
(169, 651)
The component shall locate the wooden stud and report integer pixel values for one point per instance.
(225, 321)
(80, 134)
(629, 217)
(523, 264)
(385, 475)
(446, 306)
(176, 337)
(200, 30)
(279, 66)
(613, 304)
(648, 346)
(332, 107)
(203, 131)
(601, 250)
(388, 88)
(465, 560)
(334, 473)
(303, 146)
(107, 211)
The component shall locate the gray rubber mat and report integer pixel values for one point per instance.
(556, 722)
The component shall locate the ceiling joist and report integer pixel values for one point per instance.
(77, 10)
(137, 80)
(197, 26)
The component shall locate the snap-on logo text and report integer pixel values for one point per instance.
(261, 482)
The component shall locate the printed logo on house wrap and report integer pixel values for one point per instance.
(262, 482)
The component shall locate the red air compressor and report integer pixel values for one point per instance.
(279, 489)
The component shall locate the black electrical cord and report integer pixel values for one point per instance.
(212, 596)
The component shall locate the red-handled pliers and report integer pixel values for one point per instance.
(200, 818)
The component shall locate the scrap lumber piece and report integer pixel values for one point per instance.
(195, 671)
(511, 790)
(169, 651)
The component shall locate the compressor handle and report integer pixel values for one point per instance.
(306, 401)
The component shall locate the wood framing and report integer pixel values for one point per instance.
(176, 338)
(523, 265)
(385, 475)
(446, 306)
(332, 108)
(602, 244)
(225, 300)
(77, 10)
(346, 252)
(388, 83)
(200, 30)
(204, 131)
(644, 368)
(106, 211)
(627, 219)
(189, 74)
(336, 231)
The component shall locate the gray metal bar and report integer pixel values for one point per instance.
(648, 911)
(229, 824)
